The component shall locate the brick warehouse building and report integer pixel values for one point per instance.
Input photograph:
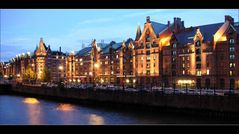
(169, 55)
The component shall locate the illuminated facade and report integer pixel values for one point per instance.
(168, 55)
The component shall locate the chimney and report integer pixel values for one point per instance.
(148, 19)
(168, 23)
(183, 25)
(60, 49)
(229, 18)
(175, 24)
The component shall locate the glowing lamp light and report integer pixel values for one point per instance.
(90, 73)
(185, 81)
(127, 80)
(28, 53)
(18, 75)
(134, 80)
(96, 65)
(78, 80)
(102, 80)
(5, 76)
(74, 80)
(61, 67)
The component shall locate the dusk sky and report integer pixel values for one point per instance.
(21, 30)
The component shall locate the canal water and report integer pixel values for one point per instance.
(16, 110)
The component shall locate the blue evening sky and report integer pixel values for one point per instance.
(21, 29)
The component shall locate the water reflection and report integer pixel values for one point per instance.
(33, 110)
(65, 107)
(96, 120)
(31, 101)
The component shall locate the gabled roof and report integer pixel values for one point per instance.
(158, 27)
(113, 45)
(83, 52)
(102, 45)
(57, 53)
(207, 31)
(236, 26)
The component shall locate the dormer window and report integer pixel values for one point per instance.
(148, 38)
(147, 45)
(232, 41)
(198, 43)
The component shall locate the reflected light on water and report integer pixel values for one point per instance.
(96, 120)
(65, 107)
(31, 101)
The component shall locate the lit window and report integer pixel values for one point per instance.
(174, 52)
(76, 59)
(142, 58)
(198, 73)
(188, 58)
(80, 59)
(112, 62)
(106, 62)
(208, 71)
(106, 57)
(81, 63)
(148, 58)
(183, 72)
(183, 58)
(90, 73)
(57, 57)
(230, 73)
(183, 65)
(112, 72)
(174, 45)
(117, 56)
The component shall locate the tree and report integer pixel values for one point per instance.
(45, 76)
(29, 74)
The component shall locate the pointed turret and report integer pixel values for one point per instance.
(123, 44)
(42, 47)
(49, 49)
(138, 33)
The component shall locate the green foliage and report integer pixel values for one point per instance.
(29, 74)
(45, 75)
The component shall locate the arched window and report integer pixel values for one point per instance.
(148, 38)
(198, 43)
